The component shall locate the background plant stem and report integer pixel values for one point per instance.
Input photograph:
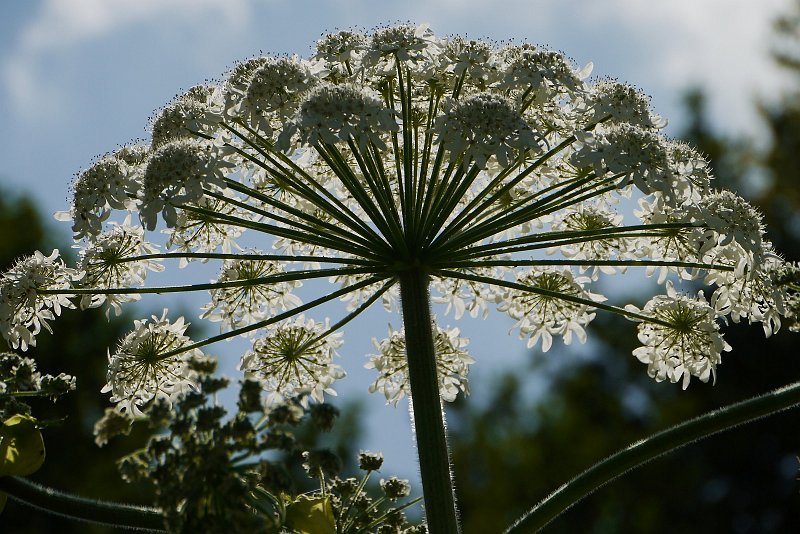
(93, 511)
(651, 448)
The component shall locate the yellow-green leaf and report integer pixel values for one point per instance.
(311, 515)
(21, 446)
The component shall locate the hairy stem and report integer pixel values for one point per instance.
(117, 515)
(428, 416)
(651, 448)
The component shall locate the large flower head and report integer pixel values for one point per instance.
(495, 176)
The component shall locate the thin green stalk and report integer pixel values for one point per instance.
(277, 318)
(312, 237)
(434, 457)
(288, 276)
(550, 294)
(589, 263)
(604, 233)
(304, 222)
(326, 201)
(244, 256)
(651, 448)
(125, 516)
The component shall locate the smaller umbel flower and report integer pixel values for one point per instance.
(275, 89)
(111, 183)
(554, 304)
(151, 363)
(105, 263)
(295, 358)
(370, 461)
(177, 173)
(332, 113)
(395, 488)
(621, 103)
(243, 304)
(20, 380)
(728, 219)
(545, 72)
(195, 111)
(452, 364)
(682, 340)
(481, 126)
(24, 307)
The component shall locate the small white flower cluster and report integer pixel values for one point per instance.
(24, 306)
(550, 307)
(636, 154)
(685, 341)
(547, 73)
(111, 183)
(332, 113)
(141, 369)
(452, 364)
(196, 111)
(274, 91)
(295, 358)
(177, 173)
(481, 126)
(105, 263)
(591, 218)
(621, 103)
(255, 299)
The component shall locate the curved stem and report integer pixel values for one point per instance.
(428, 416)
(651, 448)
(93, 511)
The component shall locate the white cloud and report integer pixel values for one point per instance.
(65, 24)
(720, 45)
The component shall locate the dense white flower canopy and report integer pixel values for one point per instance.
(496, 171)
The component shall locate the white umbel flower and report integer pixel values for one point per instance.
(295, 359)
(197, 110)
(542, 315)
(685, 342)
(111, 183)
(139, 370)
(484, 125)
(452, 364)
(24, 309)
(105, 263)
(241, 305)
(333, 113)
(176, 173)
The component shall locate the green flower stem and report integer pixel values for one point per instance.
(590, 263)
(651, 448)
(287, 276)
(244, 256)
(118, 515)
(276, 318)
(586, 235)
(551, 294)
(312, 237)
(283, 171)
(434, 458)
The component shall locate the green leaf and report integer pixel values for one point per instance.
(21, 446)
(309, 514)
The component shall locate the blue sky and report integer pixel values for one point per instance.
(79, 77)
